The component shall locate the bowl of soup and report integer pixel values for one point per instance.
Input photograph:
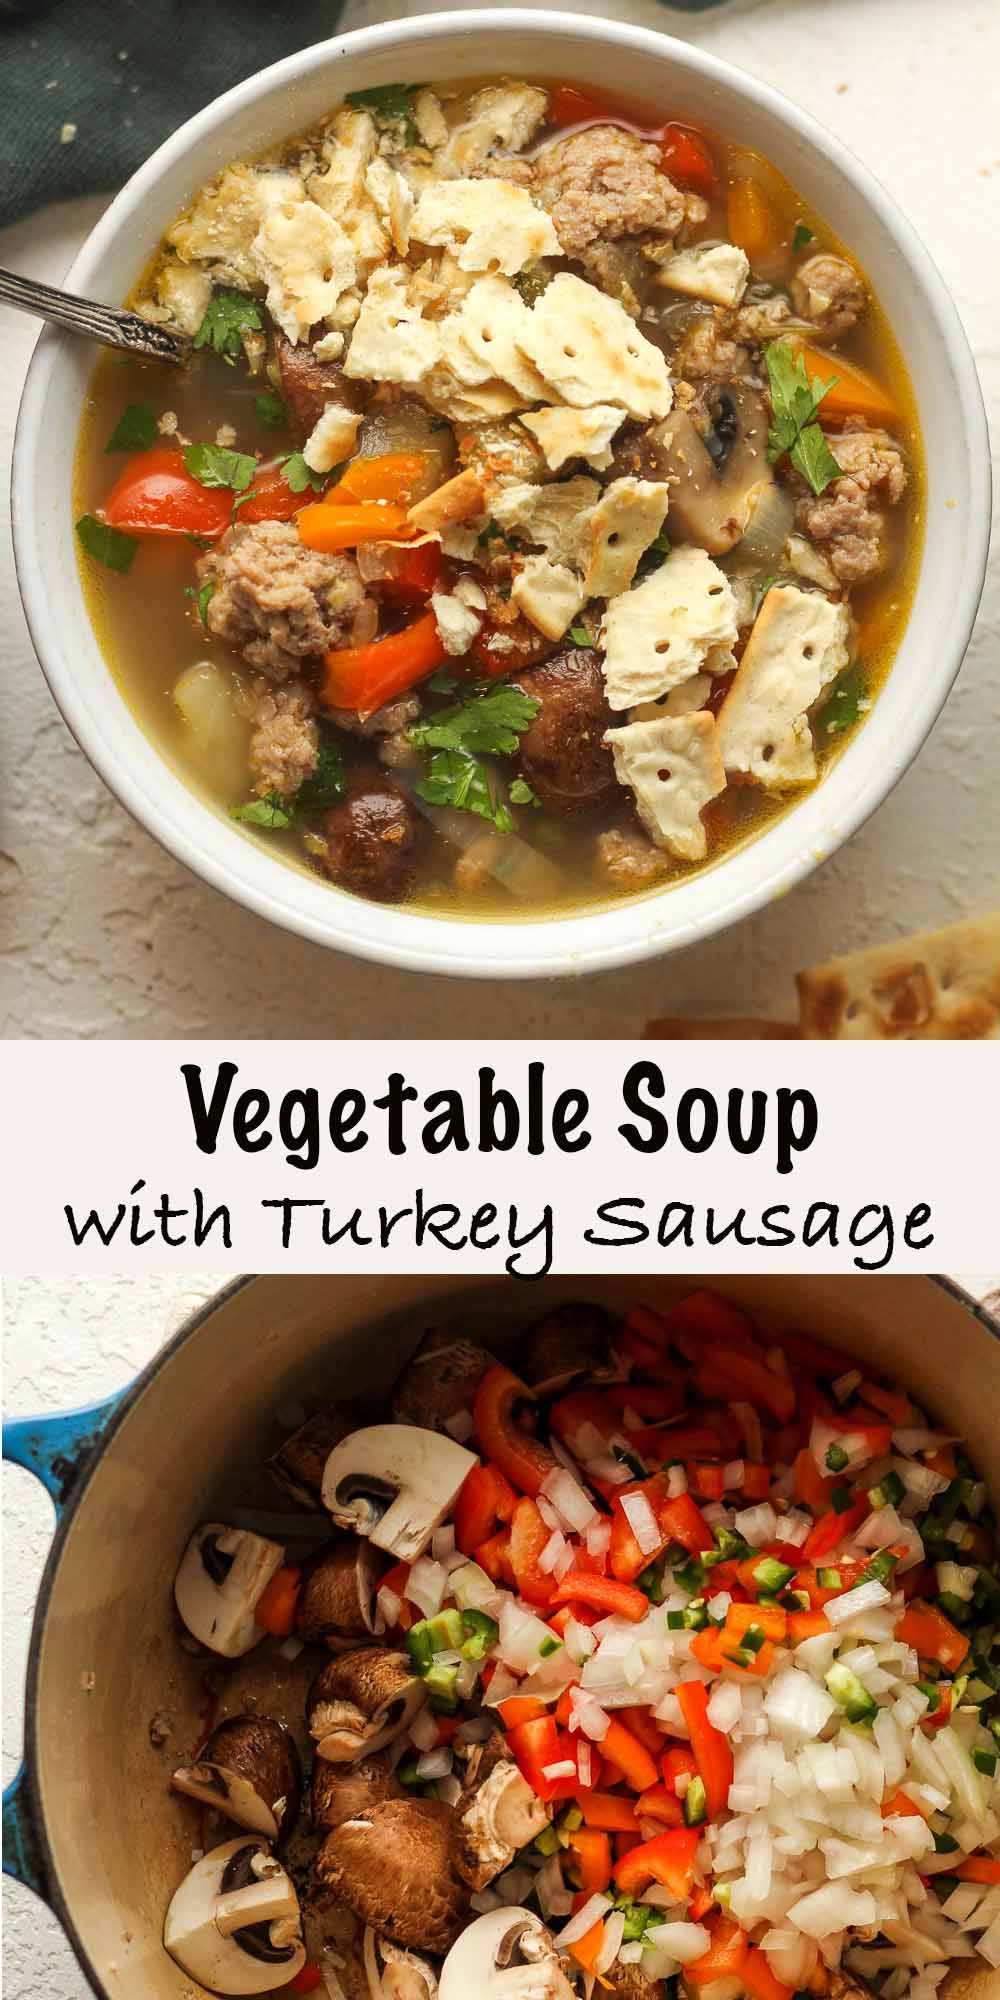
(569, 520)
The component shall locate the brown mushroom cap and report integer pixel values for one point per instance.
(342, 1791)
(439, 1380)
(394, 1867)
(496, 1813)
(573, 1340)
(298, 1464)
(628, 1983)
(362, 1700)
(336, 1601)
(249, 1770)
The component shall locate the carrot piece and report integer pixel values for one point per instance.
(759, 1980)
(754, 223)
(397, 476)
(710, 1748)
(630, 1756)
(726, 1955)
(365, 677)
(933, 1635)
(854, 393)
(329, 528)
(592, 1850)
(604, 1810)
(978, 1868)
(275, 1608)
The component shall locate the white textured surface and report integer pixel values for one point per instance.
(69, 1342)
(111, 937)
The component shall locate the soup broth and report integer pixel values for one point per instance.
(504, 638)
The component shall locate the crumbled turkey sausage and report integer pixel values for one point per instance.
(830, 292)
(285, 743)
(277, 602)
(604, 182)
(846, 519)
(628, 860)
(707, 352)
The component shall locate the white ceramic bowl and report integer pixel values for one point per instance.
(687, 84)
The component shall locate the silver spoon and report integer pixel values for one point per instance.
(124, 330)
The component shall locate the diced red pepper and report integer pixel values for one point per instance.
(709, 1746)
(707, 1316)
(605, 1593)
(629, 1756)
(416, 574)
(758, 1978)
(494, 1557)
(155, 494)
(569, 105)
(520, 1708)
(679, 1520)
(978, 1868)
(662, 1804)
(522, 1458)
(932, 1635)
(756, 1480)
(271, 497)
(668, 1858)
(738, 1371)
(306, 1980)
(833, 1528)
(677, 1762)
(539, 1745)
(651, 1401)
(581, 1417)
(603, 1809)
(726, 1955)
(708, 1478)
(642, 1724)
(476, 1514)
(590, 1859)
(687, 158)
(811, 1489)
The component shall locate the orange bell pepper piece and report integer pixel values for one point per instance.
(275, 1609)
(768, 1618)
(806, 1625)
(604, 1810)
(713, 1649)
(330, 528)
(365, 677)
(726, 1955)
(661, 1803)
(520, 1708)
(747, 1374)
(811, 1489)
(629, 1756)
(759, 1980)
(587, 1949)
(591, 1851)
(667, 1858)
(933, 1636)
(900, 1807)
(605, 1593)
(754, 223)
(397, 475)
(528, 1537)
(978, 1868)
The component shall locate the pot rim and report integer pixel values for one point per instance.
(623, 933)
(146, 1378)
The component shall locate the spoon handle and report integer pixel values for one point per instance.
(124, 330)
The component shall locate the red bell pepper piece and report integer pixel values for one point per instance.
(707, 1478)
(677, 1762)
(652, 1401)
(585, 1423)
(709, 1746)
(520, 1708)
(811, 1489)
(494, 1557)
(528, 1536)
(416, 575)
(725, 1370)
(590, 1859)
(522, 1458)
(833, 1528)
(605, 1593)
(758, 1978)
(363, 678)
(687, 158)
(642, 1724)
(679, 1520)
(569, 105)
(537, 1746)
(933, 1636)
(476, 1514)
(662, 1804)
(629, 1756)
(155, 494)
(667, 1858)
(651, 1326)
(603, 1809)
(756, 1480)
(706, 1316)
(270, 497)
(726, 1955)
(306, 1980)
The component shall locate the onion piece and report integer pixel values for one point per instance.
(642, 1521)
(864, 1597)
(584, 1920)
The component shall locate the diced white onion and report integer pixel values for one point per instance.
(864, 1597)
(388, 1605)
(614, 1931)
(423, 1730)
(584, 1920)
(758, 1525)
(598, 1538)
(565, 1768)
(642, 1521)
(435, 1763)
(554, 1548)
(426, 1586)
(677, 1482)
(588, 1714)
(460, 1426)
(910, 1441)
(443, 1542)
(570, 1501)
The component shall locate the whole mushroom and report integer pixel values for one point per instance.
(249, 1770)
(361, 1701)
(223, 1575)
(497, 1813)
(394, 1484)
(572, 1340)
(335, 1606)
(298, 1464)
(440, 1380)
(341, 1791)
(234, 1924)
(394, 1866)
(506, 1955)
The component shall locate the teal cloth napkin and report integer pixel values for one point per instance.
(88, 88)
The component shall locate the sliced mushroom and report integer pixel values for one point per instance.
(223, 1575)
(336, 1601)
(249, 1770)
(573, 1340)
(716, 481)
(341, 1791)
(393, 1973)
(506, 1955)
(394, 1484)
(497, 1813)
(298, 1464)
(361, 1701)
(439, 1380)
(394, 1866)
(234, 1923)
(627, 1982)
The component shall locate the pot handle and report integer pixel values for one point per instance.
(56, 1449)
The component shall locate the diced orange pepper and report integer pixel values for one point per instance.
(661, 1803)
(978, 1868)
(587, 1949)
(932, 1635)
(755, 225)
(520, 1708)
(725, 1957)
(811, 1489)
(630, 1756)
(854, 393)
(640, 1722)
(396, 476)
(667, 1858)
(709, 1746)
(900, 1807)
(522, 1459)
(725, 1369)
(591, 1851)
(758, 1978)
(767, 1618)
(329, 529)
(363, 678)
(603, 1809)
(712, 1649)
(806, 1625)
(275, 1608)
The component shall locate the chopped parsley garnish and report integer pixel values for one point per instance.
(485, 725)
(391, 104)
(136, 430)
(327, 783)
(580, 635)
(107, 545)
(216, 465)
(796, 401)
(442, 681)
(270, 811)
(228, 317)
(270, 408)
(801, 237)
(298, 475)
(843, 705)
(521, 794)
(651, 558)
(203, 599)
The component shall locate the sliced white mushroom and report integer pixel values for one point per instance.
(506, 1955)
(394, 1484)
(396, 1974)
(234, 1923)
(497, 1813)
(223, 1575)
